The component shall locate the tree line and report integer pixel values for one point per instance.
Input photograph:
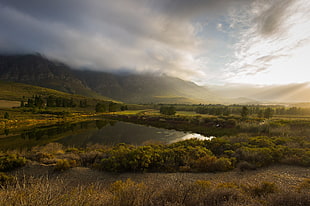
(245, 111)
(38, 101)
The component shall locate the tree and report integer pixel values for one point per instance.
(260, 114)
(168, 110)
(113, 107)
(100, 107)
(244, 112)
(268, 113)
(6, 115)
(83, 103)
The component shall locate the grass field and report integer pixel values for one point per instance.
(9, 104)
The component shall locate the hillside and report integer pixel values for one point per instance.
(39, 71)
(144, 88)
(13, 91)
(131, 88)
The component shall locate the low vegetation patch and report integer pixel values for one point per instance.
(9, 162)
(46, 191)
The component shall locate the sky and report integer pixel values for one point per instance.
(220, 42)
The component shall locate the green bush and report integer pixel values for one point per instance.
(297, 156)
(5, 179)
(262, 189)
(167, 158)
(10, 162)
(257, 156)
(64, 164)
(212, 164)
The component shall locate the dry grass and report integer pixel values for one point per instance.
(9, 104)
(43, 191)
(40, 185)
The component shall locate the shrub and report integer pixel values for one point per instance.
(10, 162)
(129, 193)
(244, 165)
(304, 186)
(168, 110)
(262, 189)
(222, 196)
(6, 115)
(212, 164)
(257, 156)
(90, 158)
(64, 164)
(41, 157)
(297, 157)
(5, 179)
(289, 199)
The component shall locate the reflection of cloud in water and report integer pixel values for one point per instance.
(192, 136)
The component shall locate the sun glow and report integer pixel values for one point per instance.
(282, 56)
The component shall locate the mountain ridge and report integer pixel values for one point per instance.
(37, 70)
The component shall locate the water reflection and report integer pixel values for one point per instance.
(107, 132)
(192, 136)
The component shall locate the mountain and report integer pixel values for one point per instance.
(144, 88)
(39, 71)
(132, 88)
(13, 93)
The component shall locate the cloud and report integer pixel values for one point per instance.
(182, 38)
(275, 33)
(158, 36)
(270, 21)
(194, 8)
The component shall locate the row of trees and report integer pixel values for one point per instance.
(51, 101)
(244, 111)
(266, 113)
(259, 111)
(167, 110)
(109, 107)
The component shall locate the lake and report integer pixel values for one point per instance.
(107, 132)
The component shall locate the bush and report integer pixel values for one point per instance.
(5, 179)
(297, 157)
(6, 115)
(212, 164)
(244, 165)
(168, 110)
(262, 189)
(304, 186)
(64, 164)
(258, 156)
(10, 162)
(289, 199)
(129, 193)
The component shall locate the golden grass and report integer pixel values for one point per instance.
(9, 104)
(54, 190)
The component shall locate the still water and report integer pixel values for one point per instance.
(107, 132)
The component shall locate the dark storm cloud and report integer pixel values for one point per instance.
(99, 34)
(192, 8)
(143, 35)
